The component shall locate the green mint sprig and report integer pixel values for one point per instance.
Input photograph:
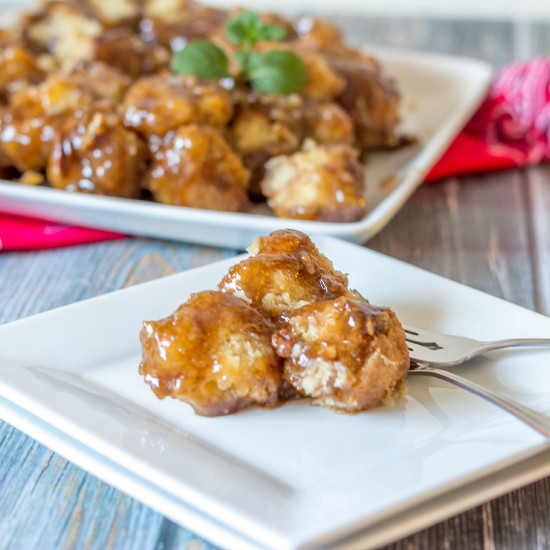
(201, 58)
(272, 72)
(247, 28)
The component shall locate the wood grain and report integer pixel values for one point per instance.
(491, 232)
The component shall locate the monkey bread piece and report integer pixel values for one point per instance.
(5, 160)
(154, 105)
(317, 35)
(207, 18)
(265, 126)
(347, 355)
(371, 99)
(106, 81)
(121, 12)
(100, 30)
(66, 30)
(18, 70)
(175, 23)
(323, 83)
(128, 52)
(213, 353)
(28, 125)
(328, 123)
(97, 154)
(196, 167)
(369, 96)
(321, 182)
(164, 9)
(10, 36)
(284, 272)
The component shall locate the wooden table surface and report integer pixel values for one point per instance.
(491, 232)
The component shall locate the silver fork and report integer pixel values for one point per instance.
(443, 350)
(429, 349)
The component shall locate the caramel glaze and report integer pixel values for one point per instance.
(285, 272)
(106, 81)
(368, 96)
(322, 183)
(318, 35)
(213, 353)
(196, 167)
(283, 325)
(175, 30)
(156, 104)
(125, 50)
(371, 100)
(97, 154)
(345, 354)
(18, 70)
(328, 123)
(28, 126)
(264, 126)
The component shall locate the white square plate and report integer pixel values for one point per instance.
(440, 94)
(298, 476)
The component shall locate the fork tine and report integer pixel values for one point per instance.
(411, 335)
(414, 337)
(433, 348)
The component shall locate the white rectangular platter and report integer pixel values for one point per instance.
(440, 93)
(298, 476)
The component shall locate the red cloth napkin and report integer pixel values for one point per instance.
(510, 129)
(18, 233)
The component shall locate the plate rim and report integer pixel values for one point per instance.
(436, 510)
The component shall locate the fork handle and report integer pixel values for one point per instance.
(513, 343)
(537, 421)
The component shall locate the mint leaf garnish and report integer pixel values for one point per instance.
(277, 72)
(201, 58)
